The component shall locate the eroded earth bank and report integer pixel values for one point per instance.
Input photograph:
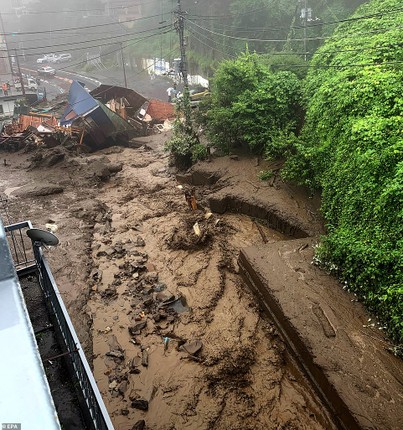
(175, 338)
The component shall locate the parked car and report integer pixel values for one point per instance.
(63, 58)
(47, 58)
(29, 84)
(46, 71)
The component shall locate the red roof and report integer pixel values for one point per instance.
(160, 111)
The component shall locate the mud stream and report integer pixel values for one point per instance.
(145, 252)
(177, 339)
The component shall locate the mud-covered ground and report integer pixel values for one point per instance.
(153, 288)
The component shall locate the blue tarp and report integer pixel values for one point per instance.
(99, 121)
(80, 104)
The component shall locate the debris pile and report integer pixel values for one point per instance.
(106, 116)
(149, 312)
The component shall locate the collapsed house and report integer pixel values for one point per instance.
(101, 124)
(106, 116)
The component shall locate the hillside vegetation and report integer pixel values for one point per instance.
(350, 145)
(352, 148)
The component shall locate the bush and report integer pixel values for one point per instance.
(252, 105)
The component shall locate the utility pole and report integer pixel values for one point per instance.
(5, 42)
(181, 29)
(123, 63)
(305, 23)
(19, 73)
(183, 70)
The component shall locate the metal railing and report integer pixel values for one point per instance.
(95, 413)
(21, 246)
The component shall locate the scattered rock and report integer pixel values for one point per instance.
(144, 358)
(140, 425)
(136, 328)
(109, 293)
(116, 354)
(140, 404)
(53, 159)
(113, 384)
(192, 348)
(100, 170)
(96, 275)
(147, 303)
(123, 387)
(139, 241)
(151, 277)
(39, 190)
(124, 411)
(134, 365)
(115, 167)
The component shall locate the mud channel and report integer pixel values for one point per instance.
(175, 338)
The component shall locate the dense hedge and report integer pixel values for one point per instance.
(352, 148)
(253, 105)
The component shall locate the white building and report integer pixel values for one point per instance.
(7, 104)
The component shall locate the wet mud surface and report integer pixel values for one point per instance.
(176, 339)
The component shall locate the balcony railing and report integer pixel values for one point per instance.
(28, 257)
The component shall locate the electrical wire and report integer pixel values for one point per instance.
(111, 52)
(128, 5)
(85, 41)
(114, 86)
(295, 27)
(294, 39)
(209, 46)
(115, 50)
(363, 49)
(313, 24)
(15, 33)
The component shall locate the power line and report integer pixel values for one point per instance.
(46, 12)
(313, 23)
(310, 24)
(195, 33)
(87, 41)
(344, 35)
(115, 50)
(107, 89)
(318, 53)
(110, 52)
(78, 28)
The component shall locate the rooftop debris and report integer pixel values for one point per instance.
(159, 111)
(107, 115)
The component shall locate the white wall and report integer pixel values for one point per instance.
(8, 108)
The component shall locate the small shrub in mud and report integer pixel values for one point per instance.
(184, 146)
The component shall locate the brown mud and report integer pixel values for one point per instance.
(153, 287)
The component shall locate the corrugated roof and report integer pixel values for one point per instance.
(105, 93)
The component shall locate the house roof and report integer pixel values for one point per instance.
(160, 111)
(105, 93)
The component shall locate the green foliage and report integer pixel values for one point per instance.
(181, 146)
(251, 105)
(184, 145)
(352, 148)
(265, 175)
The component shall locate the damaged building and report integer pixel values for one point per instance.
(106, 116)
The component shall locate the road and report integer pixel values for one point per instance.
(137, 80)
(60, 83)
